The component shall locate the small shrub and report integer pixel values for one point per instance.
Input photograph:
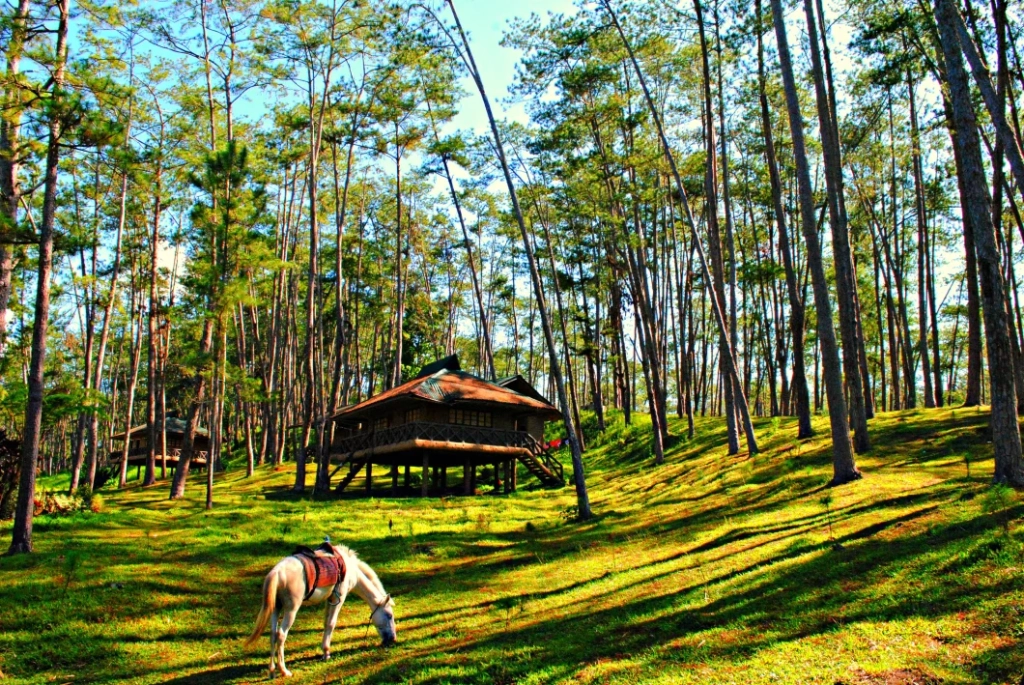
(826, 501)
(997, 502)
(570, 513)
(96, 505)
(482, 523)
(53, 503)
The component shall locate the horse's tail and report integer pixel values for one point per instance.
(269, 599)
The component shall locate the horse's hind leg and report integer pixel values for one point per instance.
(273, 641)
(287, 619)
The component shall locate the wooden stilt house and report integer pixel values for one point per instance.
(443, 421)
(137, 445)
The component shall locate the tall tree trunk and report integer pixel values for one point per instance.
(10, 135)
(108, 308)
(846, 281)
(21, 538)
(714, 236)
(133, 383)
(922, 248)
(1009, 467)
(796, 304)
(732, 370)
(844, 467)
(582, 497)
(152, 357)
(485, 329)
(192, 422)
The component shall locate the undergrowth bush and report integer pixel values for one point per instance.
(52, 503)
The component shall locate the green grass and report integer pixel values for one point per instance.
(708, 569)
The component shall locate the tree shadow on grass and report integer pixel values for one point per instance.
(220, 674)
(787, 598)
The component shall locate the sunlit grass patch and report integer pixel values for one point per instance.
(709, 568)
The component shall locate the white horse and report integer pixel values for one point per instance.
(285, 587)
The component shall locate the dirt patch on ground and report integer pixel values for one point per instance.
(898, 677)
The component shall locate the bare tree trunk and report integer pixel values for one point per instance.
(485, 329)
(846, 282)
(21, 538)
(796, 304)
(152, 360)
(714, 234)
(843, 464)
(192, 423)
(1009, 467)
(132, 386)
(922, 245)
(582, 498)
(733, 372)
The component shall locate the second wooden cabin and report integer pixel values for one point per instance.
(137, 446)
(444, 420)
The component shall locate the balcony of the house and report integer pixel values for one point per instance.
(138, 455)
(435, 437)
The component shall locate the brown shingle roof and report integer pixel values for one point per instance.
(452, 387)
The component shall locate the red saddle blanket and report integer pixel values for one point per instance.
(321, 569)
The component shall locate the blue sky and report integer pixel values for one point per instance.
(486, 22)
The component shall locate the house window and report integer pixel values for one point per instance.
(380, 424)
(469, 418)
(413, 415)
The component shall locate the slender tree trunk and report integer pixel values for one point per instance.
(21, 538)
(714, 235)
(132, 386)
(1009, 467)
(485, 329)
(846, 282)
(192, 422)
(733, 372)
(152, 359)
(582, 497)
(843, 464)
(796, 305)
(922, 243)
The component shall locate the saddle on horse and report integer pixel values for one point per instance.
(321, 567)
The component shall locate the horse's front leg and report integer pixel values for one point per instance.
(330, 621)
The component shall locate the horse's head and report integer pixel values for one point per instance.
(383, 618)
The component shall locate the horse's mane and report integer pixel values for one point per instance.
(370, 573)
(364, 568)
(347, 551)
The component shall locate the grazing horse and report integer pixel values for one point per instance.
(288, 585)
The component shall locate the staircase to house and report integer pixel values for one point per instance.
(542, 464)
(354, 467)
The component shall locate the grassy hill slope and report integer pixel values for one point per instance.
(707, 569)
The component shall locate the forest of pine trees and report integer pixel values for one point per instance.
(248, 214)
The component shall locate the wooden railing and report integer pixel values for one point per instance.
(423, 430)
(172, 453)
